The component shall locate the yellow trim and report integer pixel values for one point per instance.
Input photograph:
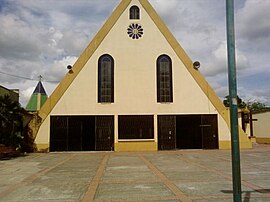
(38, 101)
(136, 146)
(198, 77)
(252, 139)
(224, 144)
(94, 44)
(180, 52)
(263, 140)
(227, 145)
(84, 57)
(43, 147)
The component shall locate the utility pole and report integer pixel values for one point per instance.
(236, 170)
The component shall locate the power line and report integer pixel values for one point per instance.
(26, 78)
(20, 77)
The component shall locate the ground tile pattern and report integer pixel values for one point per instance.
(184, 175)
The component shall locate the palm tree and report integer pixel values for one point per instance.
(11, 116)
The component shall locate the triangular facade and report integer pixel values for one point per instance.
(37, 99)
(134, 88)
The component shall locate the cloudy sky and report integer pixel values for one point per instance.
(42, 37)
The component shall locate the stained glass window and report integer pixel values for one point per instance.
(164, 79)
(106, 79)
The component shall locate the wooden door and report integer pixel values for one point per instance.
(104, 133)
(209, 129)
(166, 132)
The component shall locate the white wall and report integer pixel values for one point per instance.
(261, 128)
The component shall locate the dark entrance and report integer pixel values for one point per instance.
(104, 133)
(82, 133)
(188, 132)
(209, 128)
(166, 132)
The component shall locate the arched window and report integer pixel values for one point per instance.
(105, 79)
(164, 79)
(134, 13)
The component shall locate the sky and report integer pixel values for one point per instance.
(42, 37)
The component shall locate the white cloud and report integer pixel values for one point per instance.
(259, 95)
(218, 64)
(26, 94)
(58, 69)
(165, 7)
(253, 20)
(16, 38)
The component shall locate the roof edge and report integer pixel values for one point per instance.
(198, 77)
(180, 52)
(82, 60)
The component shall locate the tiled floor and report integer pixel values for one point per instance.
(194, 175)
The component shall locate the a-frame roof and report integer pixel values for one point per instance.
(94, 44)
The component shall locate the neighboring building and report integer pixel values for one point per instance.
(37, 99)
(134, 89)
(261, 126)
(12, 93)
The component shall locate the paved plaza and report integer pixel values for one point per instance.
(184, 175)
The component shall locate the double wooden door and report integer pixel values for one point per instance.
(187, 132)
(82, 133)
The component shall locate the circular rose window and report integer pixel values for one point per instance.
(135, 31)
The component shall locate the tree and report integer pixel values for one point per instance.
(241, 104)
(252, 106)
(257, 106)
(11, 122)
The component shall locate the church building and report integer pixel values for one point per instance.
(134, 88)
